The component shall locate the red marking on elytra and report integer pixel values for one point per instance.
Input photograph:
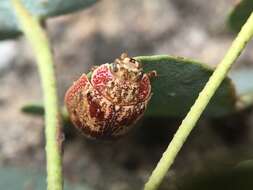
(80, 83)
(109, 104)
(144, 88)
(101, 76)
(95, 109)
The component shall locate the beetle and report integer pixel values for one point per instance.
(108, 103)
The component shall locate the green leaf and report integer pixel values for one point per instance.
(245, 165)
(178, 84)
(239, 14)
(219, 179)
(33, 108)
(49, 8)
(8, 23)
(41, 8)
(37, 108)
(23, 178)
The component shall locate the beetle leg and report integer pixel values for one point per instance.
(139, 76)
(152, 74)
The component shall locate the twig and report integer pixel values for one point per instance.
(40, 44)
(200, 104)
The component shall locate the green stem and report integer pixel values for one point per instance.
(200, 104)
(40, 44)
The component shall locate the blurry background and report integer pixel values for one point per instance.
(194, 28)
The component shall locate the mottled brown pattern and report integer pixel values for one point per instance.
(122, 92)
(111, 103)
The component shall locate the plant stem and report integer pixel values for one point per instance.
(200, 104)
(40, 44)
